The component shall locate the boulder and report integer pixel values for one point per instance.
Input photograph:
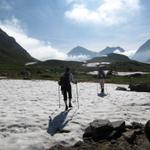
(129, 136)
(59, 147)
(98, 130)
(143, 87)
(136, 125)
(118, 129)
(119, 125)
(147, 130)
(119, 88)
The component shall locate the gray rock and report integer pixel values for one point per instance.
(78, 144)
(99, 130)
(143, 87)
(129, 136)
(136, 125)
(119, 125)
(119, 128)
(113, 141)
(119, 88)
(147, 130)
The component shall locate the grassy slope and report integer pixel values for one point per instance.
(53, 68)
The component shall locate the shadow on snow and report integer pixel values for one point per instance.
(58, 123)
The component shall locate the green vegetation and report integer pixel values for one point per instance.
(130, 66)
(53, 73)
(111, 58)
(11, 52)
(128, 80)
(52, 69)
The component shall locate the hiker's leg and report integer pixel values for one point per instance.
(65, 98)
(70, 95)
(102, 85)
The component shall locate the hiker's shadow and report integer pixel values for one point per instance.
(58, 123)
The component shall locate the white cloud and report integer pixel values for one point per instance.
(74, 1)
(81, 14)
(4, 5)
(128, 53)
(109, 12)
(78, 58)
(38, 49)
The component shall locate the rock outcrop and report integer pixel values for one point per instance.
(141, 87)
(106, 135)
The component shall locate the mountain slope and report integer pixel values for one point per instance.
(11, 52)
(81, 51)
(110, 58)
(143, 53)
(109, 50)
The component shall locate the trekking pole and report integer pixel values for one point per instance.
(97, 87)
(59, 95)
(77, 95)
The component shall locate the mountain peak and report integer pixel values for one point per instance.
(79, 47)
(109, 50)
(81, 51)
(143, 52)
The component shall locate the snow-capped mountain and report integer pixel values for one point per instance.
(81, 51)
(143, 53)
(109, 50)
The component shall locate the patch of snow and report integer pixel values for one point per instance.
(3, 77)
(96, 72)
(30, 63)
(105, 63)
(130, 73)
(25, 107)
(95, 64)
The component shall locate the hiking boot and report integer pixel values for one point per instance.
(102, 91)
(66, 108)
(70, 105)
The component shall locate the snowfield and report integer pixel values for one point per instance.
(25, 107)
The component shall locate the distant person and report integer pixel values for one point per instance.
(65, 84)
(101, 76)
(26, 73)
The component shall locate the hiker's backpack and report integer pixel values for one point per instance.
(64, 80)
(101, 73)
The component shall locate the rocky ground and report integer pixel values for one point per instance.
(105, 135)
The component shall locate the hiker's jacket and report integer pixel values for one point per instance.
(101, 73)
(65, 79)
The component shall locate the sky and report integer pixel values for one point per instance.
(48, 29)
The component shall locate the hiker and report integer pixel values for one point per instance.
(101, 76)
(64, 82)
(26, 73)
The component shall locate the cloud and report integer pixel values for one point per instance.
(109, 12)
(74, 1)
(37, 48)
(78, 58)
(128, 53)
(4, 5)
